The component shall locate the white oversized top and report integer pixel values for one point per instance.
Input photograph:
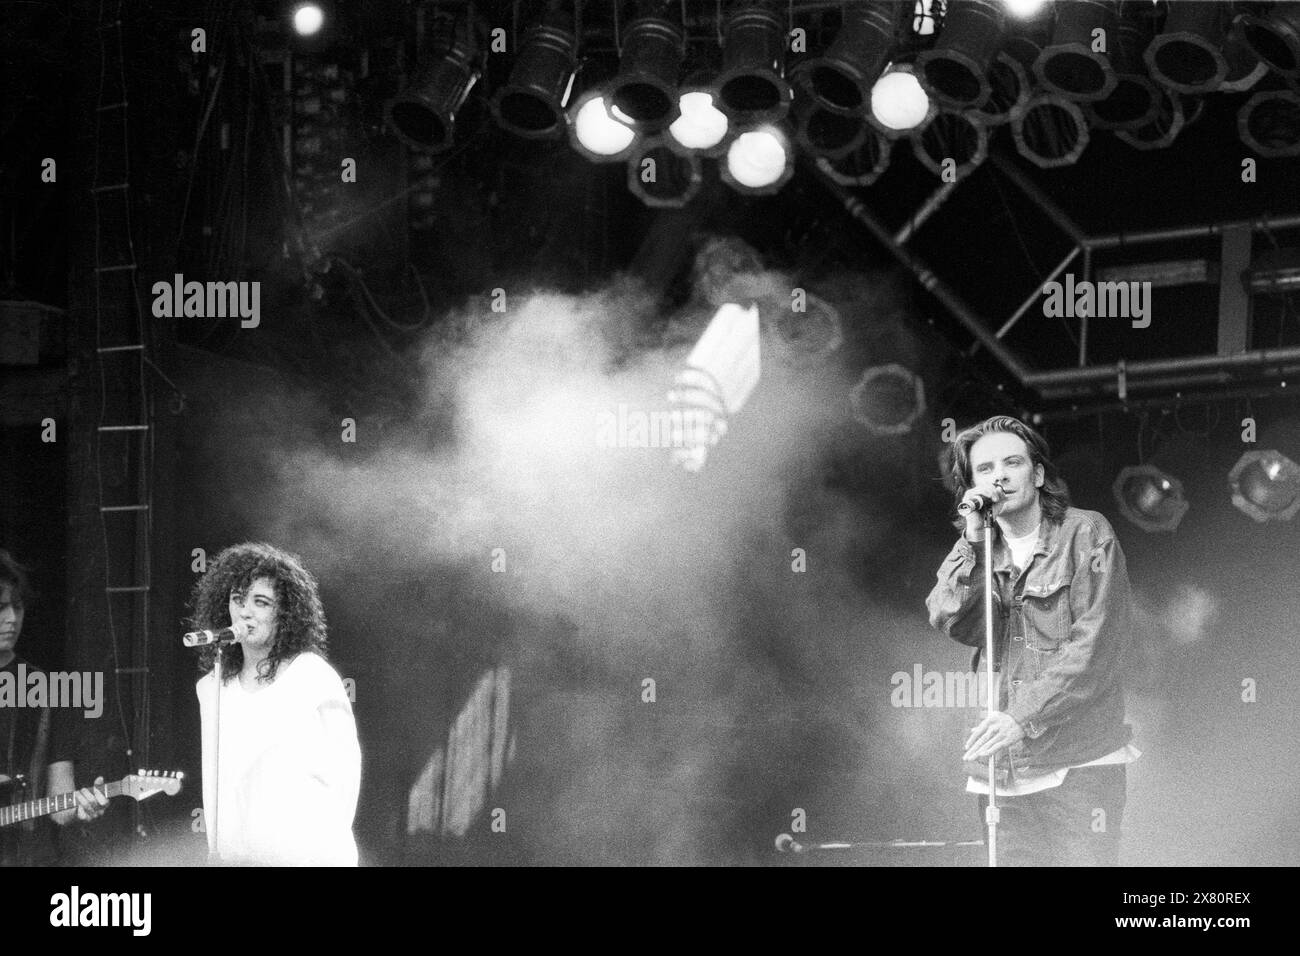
(290, 767)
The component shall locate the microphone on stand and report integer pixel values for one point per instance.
(233, 634)
(981, 503)
(786, 844)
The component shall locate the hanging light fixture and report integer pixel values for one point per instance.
(827, 134)
(1187, 56)
(1009, 91)
(1052, 132)
(864, 165)
(759, 161)
(955, 70)
(531, 104)
(662, 177)
(952, 136)
(899, 103)
(1135, 99)
(1275, 37)
(751, 87)
(1069, 66)
(593, 131)
(841, 78)
(1149, 498)
(1266, 485)
(644, 93)
(424, 114)
(888, 399)
(1269, 123)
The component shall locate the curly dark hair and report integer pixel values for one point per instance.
(300, 618)
(1054, 496)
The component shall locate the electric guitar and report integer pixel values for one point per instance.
(140, 785)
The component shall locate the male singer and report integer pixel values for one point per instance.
(280, 781)
(1062, 611)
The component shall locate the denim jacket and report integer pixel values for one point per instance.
(1060, 625)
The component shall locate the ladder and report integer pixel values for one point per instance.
(124, 437)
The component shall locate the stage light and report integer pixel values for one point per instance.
(1135, 99)
(1275, 37)
(1245, 68)
(899, 103)
(1149, 498)
(1069, 66)
(955, 136)
(759, 161)
(596, 134)
(720, 375)
(662, 177)
(424, 114)
(864, 165)
(1052, 132)
(644, 92)
(1024, 8)
(1188, 54)
(1266, 485)
(751, 87)
(532, 103)
(1269, 123)
(1009, 91)
(827, 134)
(1173, 112)
(1026, 39)
(956, 70)
(808, 337)
(308, 18)
(701, 127)
(888, 399)
(841, 78)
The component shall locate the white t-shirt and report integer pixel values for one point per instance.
(1021, 548)
(290, 768)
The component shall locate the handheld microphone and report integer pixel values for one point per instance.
(233, 634)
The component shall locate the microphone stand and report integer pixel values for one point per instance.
(991, 812)
(215, 853)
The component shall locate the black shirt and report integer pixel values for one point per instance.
(19, 729)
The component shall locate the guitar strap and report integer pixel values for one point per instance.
(13, 737)
(39, 763)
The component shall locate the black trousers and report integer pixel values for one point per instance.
(1075, 824)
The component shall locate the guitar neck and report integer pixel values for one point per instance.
(47, 805)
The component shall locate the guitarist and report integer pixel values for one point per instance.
(35, 754)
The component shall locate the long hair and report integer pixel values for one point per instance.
(300, 618)
(1054, 496)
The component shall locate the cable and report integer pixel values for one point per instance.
(355, 276)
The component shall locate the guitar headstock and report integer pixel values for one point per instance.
(146, 783)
